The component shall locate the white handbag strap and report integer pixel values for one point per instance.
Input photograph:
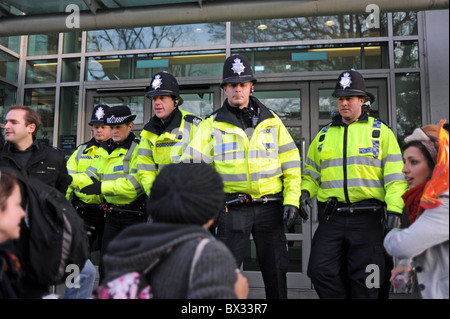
(197, 254)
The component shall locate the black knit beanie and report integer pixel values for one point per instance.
(186, 193)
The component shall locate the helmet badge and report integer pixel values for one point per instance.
(345, 80)
(238, 67)
(156, 84)
(99, 113)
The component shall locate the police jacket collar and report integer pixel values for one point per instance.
(110, 145)
(225, 115)
(156, 126)
(90, 143)
(337, 119)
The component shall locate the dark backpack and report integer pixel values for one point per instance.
(52, 234)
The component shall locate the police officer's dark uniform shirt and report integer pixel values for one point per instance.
(247, 116)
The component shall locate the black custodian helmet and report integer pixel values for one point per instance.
(119, 114)
(351, 83)
(98, 115)
(237, 69)
(164, 83)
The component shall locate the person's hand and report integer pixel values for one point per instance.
(400, 269)
(93, 189)
(241, 288)
(305, 204)
(392, 221)
(290, 213)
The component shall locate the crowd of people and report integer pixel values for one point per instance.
(176, 206)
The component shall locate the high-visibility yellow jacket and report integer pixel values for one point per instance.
(260, 161)
(116, 169)
(161, 146)
(79, 161)
(356, 162)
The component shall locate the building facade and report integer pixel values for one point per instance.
(403, 56)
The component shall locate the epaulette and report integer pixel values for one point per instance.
(376, 118)
(193, 119)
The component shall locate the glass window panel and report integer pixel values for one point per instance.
(8, 95)
(198, 104)
(70, 70)
(12, 43)
(405, 23)
(374, 109)
(72, 42)
(408, 106)
(406, 54)
(305, 28)
(68, 120)
(318, 58)
(134, 102)
(190, 35)
(41, 71)
(180, 64)
(43, 101)
(9, 66)
(296, 133)
(43, 44)
(327, 104)
(285, 103)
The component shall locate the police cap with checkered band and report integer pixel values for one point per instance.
(237, 69)
(118, 114)
(163, 84)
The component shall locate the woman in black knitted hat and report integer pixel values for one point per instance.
(184, 200)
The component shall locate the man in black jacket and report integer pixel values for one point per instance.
(26, 154)
(29, 157)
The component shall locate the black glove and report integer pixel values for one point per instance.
(93, 189)
(290, 213)
(392, 221)
(305, 202)
(69, 179)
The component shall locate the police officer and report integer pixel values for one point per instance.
(113, 175)
(354, 166)
(88, 206)
(259, 163)
(167, 133)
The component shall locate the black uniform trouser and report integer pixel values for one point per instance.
(94, 221)
(115, 223)
(347, 255)
(265, 223)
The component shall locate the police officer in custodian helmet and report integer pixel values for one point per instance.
(259, 163)
(354, 167)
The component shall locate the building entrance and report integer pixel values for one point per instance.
(304, 107)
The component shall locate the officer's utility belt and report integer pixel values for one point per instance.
(245, 199)
(370, 205)
(123, 209)
(81, 206)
